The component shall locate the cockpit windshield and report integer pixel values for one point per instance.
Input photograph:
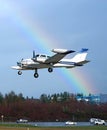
(37, 55)
(44, 56)
(48, 57)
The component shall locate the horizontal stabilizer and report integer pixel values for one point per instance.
(82, 63)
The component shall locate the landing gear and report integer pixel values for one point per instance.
(19, 72)
(36, 75)
(50, 70)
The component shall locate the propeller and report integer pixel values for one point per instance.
(34, 58)
(19, 63)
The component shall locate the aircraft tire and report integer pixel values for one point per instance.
(19, 72)
(50, 70)
(36, 75)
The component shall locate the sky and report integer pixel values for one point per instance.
(42, 25)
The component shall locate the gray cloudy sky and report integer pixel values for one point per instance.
(42, 25)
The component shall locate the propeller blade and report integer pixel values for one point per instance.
(34, 56)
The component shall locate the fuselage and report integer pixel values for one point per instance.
(55, 61)
(30, 64)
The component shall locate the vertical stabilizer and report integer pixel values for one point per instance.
(80, 56)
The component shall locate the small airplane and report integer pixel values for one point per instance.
(43, 61)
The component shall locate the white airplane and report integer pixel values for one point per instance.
(43, 61)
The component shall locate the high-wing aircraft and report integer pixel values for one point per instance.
(56, 61)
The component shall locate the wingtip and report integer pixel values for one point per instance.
(69, 51)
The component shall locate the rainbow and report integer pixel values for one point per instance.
(78, 81)
(40, 40)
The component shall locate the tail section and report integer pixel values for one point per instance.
(80, 57)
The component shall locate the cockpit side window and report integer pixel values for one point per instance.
(43, 56)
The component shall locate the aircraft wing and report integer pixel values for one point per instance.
(61, 53)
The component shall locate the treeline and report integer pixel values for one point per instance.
(56, 107)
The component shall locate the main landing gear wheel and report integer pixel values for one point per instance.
(36, 75)
(19, 72)
(50, 70)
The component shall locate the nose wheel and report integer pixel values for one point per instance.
(19, 72)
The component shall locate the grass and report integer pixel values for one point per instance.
(29, 127)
